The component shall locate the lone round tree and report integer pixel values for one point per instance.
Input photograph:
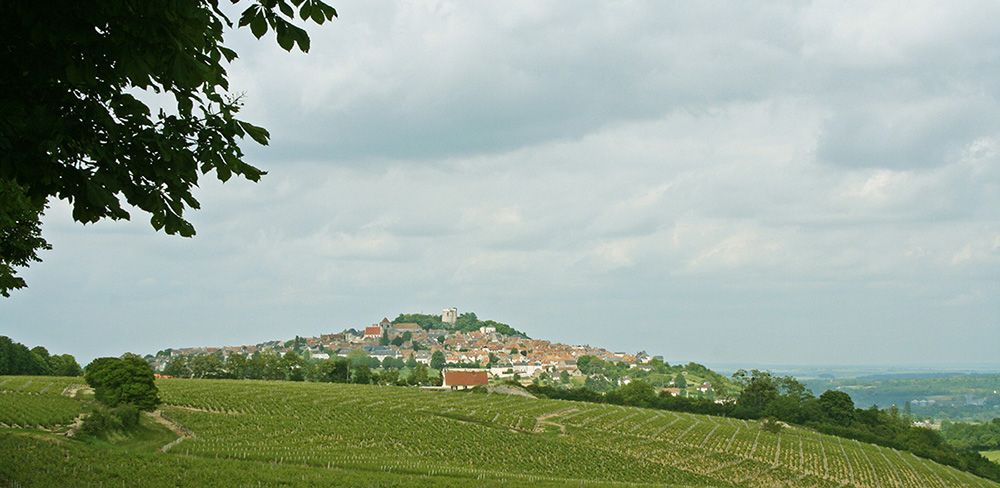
(125, 380)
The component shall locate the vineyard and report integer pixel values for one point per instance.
(257, 432)
(37, 401)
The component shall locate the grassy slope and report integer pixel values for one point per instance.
(992, 456)
(304, 434)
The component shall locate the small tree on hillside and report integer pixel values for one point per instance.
(437, 360)
(837, 406)
(759, 389)
(419, 375)
(125, 380)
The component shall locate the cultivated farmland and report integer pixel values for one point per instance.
(298, 433)
(37, 401)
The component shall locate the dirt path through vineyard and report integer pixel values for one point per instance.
(181, 431)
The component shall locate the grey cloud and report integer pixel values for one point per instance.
(907, 133)
(469, 84)
(793, 178)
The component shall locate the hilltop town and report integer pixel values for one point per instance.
(455, 341)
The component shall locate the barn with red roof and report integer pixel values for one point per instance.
(463, 378)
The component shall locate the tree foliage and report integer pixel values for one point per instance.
(125, 380)
(437, 360)
(20, 233)
(103, 420)
(467, 322)
(17, 359)
(74, 126)
(982, 437)
(837, 406)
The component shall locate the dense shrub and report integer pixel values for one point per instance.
(103, 420)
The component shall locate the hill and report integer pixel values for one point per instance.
(303, 434)
(391, 349)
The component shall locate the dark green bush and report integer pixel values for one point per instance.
(127, 414)
(103, 421)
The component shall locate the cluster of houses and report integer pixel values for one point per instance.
(497, 355)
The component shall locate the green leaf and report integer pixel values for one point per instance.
(156, 220)
(286, 9)
(247, 16)
(229, 54)
(286, 39)
(223, 173)
(184, 105)
(302, 37)
(305, 11)
(258, 26)
(259, 134)
(318, 17)
(330, 11)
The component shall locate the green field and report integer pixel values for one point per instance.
(992, 455)
(37, 402)
(308, 434)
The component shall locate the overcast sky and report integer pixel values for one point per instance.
(738, 182)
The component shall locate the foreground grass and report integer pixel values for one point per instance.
(33, 460)
(295, 434)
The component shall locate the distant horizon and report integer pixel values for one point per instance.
(875, 368)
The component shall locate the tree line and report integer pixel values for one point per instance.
(981, 437)
(604, 376)
(358, 367)
(773, 398)
(466, 322)
(17, 359)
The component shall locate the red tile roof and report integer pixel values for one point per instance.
(457, 377)
(373, 330)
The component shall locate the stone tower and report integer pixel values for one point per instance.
(449, 315)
